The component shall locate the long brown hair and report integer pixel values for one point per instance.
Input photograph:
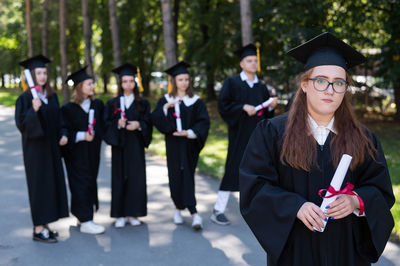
(299, 148)
(138, 99)
(47, 87)
(77, 94)
(174, 91)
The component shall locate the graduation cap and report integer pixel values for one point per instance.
(79, 76)
(129, 70)
(177, 69)
(35, 62)
(125, 70)
(246, 50)
(249, 50)
(326, 49)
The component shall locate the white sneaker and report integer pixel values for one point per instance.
(120, 222)
(197, 223)
(178, 217)
(91, 227)
(134, 221)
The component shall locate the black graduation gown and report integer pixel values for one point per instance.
(42, 158)
(182, 153)
(234, 94)
(82, 159)
(128, 165)
(272, 193)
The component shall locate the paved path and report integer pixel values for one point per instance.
(157, 242)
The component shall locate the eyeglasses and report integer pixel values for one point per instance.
(322, 84)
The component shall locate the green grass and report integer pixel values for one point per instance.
(9, 96)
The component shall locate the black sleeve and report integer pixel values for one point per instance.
(66, 124)
(374, 186)
(268, 209)
(111, 131)
(229, 109)
(165, 124)
(202, 124)
(99, 114)
(26, 119)
(145, 124)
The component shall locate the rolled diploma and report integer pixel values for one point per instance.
(178, 119)
(122, 106)
(336, 182)
(91, 118)
(264, 104)
(29, 80)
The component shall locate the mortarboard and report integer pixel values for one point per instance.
(177, 69)
(326, 49)
(35, 62)
(79, 76)
(125, 70)
(246, 50)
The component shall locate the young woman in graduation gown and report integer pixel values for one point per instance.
(239, 96)
(128, 129)
(38, 120)
(82, 153)
(183, 147)
(290, 158)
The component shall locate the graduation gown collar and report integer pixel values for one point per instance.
(188, 101)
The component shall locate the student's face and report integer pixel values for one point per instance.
(128, 83)
(323, 103)
(40, 76)
(249, 64)
(88, 87)
(182, 82)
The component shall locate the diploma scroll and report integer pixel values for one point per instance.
(122, 106)
(336, 182)
(29, 80)
(264, 104)
(91, 121)
(178, 117)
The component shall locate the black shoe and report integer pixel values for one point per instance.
(44, 236)
(219, 218)
(53, 233)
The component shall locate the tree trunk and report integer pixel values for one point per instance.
(63, 49)
(45, 26)
(87, 35)
(245, 18)
(3, 83)
(105, 83)
(176, 19)
(114, 32)
(169, 34)
(396, 87)
(29, 27)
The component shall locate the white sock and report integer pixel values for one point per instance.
(222, 201)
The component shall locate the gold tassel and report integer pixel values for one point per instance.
(169, 84)
(140, 80)
(258, 60)
(23, 83)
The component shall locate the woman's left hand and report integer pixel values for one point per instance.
(63, 141)
(182, 133)
(342, 206)
(132, 125)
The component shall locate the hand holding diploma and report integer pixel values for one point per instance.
(132, 125)
(249, 109)
(36, 103)
(182, 133)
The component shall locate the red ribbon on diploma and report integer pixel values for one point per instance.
(262, 110)
(122, 112)
(347, 190)
(37, 88)
(176, 116)
(91, 126)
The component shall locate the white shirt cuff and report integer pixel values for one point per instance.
(165, 111)
(80, 136)
(191, 134)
